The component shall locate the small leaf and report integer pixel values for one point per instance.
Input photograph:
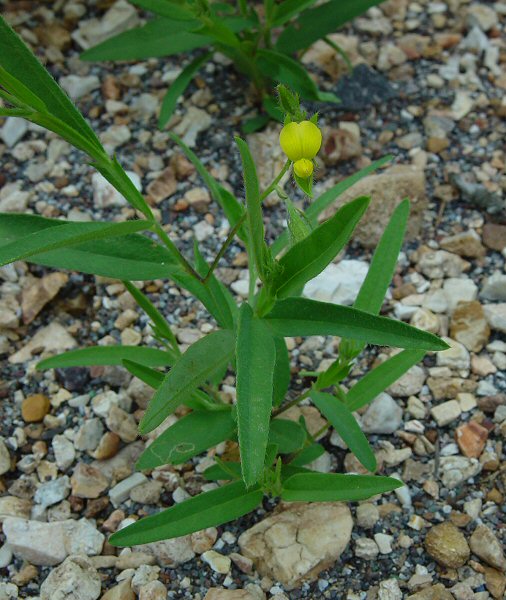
(256, 356)
(335, 487)
(301, 316)
(146, 374)
(188, 437)
(377, 380)
(178, 87)
(346, 426)
(288, 435)
(205, 510)
(308, 455)
(194, 367)
(108, 355)
(310, 256)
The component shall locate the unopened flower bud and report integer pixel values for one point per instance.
(303, 168)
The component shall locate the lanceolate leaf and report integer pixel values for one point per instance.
(301, 316)
(281, 372)
(335, 487)
(315, 23)
(66, 235)
(308, 455)
(158, 37)
(288, 9)
(177, 88)
(165, 8)
(373, 290)
(108, 355)
(256, 356)
(327, 198)
(377, 380)
(205, 510)
(19, 63)
(194, 367)
(148, 375)
(346, 426)
(188, 437)
(287, 435)
(309, 257)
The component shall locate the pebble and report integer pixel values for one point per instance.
(366, 548)
(105, 195)
(367, 515)
(87, 481)
(75, 578)
(389, 590)
(486, 546)
(121, 491)
(5, 458)
(447, 545)
(154, 590)
(383, 415)
(471, 438)
(446, 412)
(338, 283)
(52, 492)
(455, 470)
(469, 326)
(456, 357)
(496, 316)
(13, 130)
(78, 86)
(459, 290)
(384, 542)
(35, 408)
(218, 562)
(494, 288)
(122, 591)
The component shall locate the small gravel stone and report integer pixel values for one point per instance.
(447, 545)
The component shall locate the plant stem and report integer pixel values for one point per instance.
(274, 184)
(171, 246)
(224, 247)
(340, 51)
(292, 403)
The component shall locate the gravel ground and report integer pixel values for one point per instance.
(428, 87)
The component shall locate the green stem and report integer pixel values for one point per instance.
(174, 251)
(340, 51)
(274, 184)
(292, 403)
(224, 247)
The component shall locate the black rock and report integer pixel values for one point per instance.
(73, 379)
(362, 88)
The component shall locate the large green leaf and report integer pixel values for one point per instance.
(205, 510)
(66, 235)
(373, 290)
(335, 487)
(256, 356)
(282, 373)
(346, 426)
(133, 256)
(283, 69)
(315, 23)
(40, 90)
(288, 435)
(108, 355)
(377, 380)
(254, 208)
(178, 87)
(165, 8)
(188, 437)
(308, 455)
(194, 367)
(309, 257)
(158, 37)
(327, 198)
(301, 316)
(288, 9)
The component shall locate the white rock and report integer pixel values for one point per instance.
(495, 287)
(173, 552)
(78, 86)
(203, 230)
(89, 434)
(52, 492)
(13, 130)
(366, 548)
(114, 136)
(49, 544)
(53, 338)
(459, 290)
(105, 195)
(338, 283)
(455, 470)
(409, 384)
(5, 556)
(64, 452)
(496, 316)
(389, 590)
(121, 491)
(383, 415)
(13, 199)
(218, 562)
(436, 301)
(194, 121)
(75, 579)
(121, 16)
(8, 591)
(154, 590)
(462, 105)
(446, 412)
(456, 357)
(384, 542)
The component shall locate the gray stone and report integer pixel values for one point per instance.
(52, 492)
(494, 287)
(383, 415)
(338, 283)
(78, 86)
(13, 130)
(455, 470)
(496, 316)
(75, 579)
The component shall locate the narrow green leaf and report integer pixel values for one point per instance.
(40, 90)
(256, 356)
(68, 234)
(161, 327)
(315, 23)
(108, 355)
(282, 372)
(283, 69)
(205, 510)
(288, 9)
(146, 374)
(327, 198)
(170, 10)
(310, 256)
(301, 316)
(188, 437)
(254, 207)
(178, 87)
(194, 367)
(308, 455)
(346, 426)
(373, 290)
(377, 380)
(225, 471)
(288, 435)
(335, 487)
(157, 38)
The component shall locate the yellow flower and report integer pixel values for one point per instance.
(300, 141)
(303, 168)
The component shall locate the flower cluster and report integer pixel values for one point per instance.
(301, 143)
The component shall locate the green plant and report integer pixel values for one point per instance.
(248, 339)
(263, 39)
